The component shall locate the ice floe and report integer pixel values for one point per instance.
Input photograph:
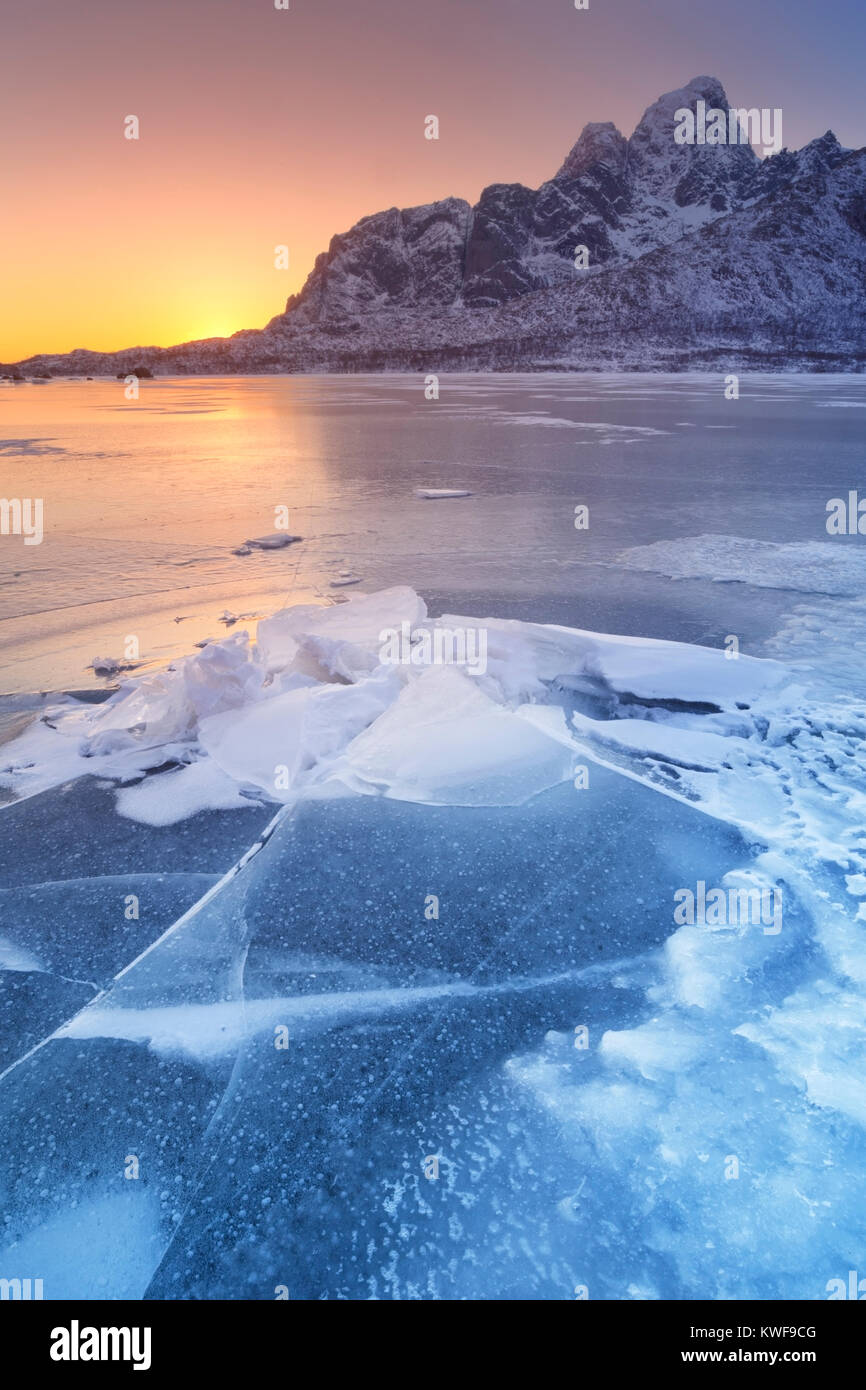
(316, 696)
(434, 493)
(822, 567)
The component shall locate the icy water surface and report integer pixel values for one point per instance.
(417, 1017)
(146, 500)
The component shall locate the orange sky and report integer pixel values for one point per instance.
(261, 127)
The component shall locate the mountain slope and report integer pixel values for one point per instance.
(697, 255)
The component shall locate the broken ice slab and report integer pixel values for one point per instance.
(274, 541)
(444, 740)
(93, 1202)
(434, 493)
(553, 882)
(89, 928)
(111, 665)
(401, 1010)
(73, 832)
(60, 943)
(261, 1165)
(79, 899)
(122, 1100)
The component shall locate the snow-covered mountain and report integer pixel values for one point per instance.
(696, 255)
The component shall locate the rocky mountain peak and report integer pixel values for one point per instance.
(827, 148)
(598, 143)
(690, 175)
(621, 237)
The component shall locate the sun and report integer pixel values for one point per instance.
(219, 328)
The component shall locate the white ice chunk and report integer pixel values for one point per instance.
(166, 705)
(271, 743)
(665, 741)
(172, 796)
(359, 623)
(817, 1039)
(274, 541)
(641, 666)
(434, 493)
(110, 665)
(652, 1049)
(444, 741)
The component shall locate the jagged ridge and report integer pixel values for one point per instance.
(698, 255)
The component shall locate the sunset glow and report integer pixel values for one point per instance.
(261, 127)
(432, 654)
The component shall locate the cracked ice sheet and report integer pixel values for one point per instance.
(61, 942)
(103, 1100)
(398, 1030)
(176, 1062)
(743, 1093)
(719, 1017)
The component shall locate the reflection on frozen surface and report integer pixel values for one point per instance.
(147, 502)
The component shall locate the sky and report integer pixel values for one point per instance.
(261, 127)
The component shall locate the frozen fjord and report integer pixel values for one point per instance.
(412, 1036)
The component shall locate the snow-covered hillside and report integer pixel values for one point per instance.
(696, 255)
